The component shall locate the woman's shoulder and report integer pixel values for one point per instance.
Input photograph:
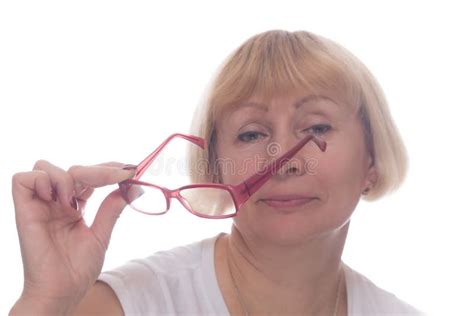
(175, 260)
(180, 280)
(366, 298)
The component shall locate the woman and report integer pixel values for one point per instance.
(283, 255)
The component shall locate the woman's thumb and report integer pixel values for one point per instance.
(107, 215)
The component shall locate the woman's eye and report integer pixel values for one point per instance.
(319, 129)
(250, 136)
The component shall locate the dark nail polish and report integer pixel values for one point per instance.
(54, 194)
(74, 204)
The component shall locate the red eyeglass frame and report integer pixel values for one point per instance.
(240, 193)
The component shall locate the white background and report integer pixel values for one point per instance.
(86, 82)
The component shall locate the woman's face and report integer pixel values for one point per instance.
(315, 193)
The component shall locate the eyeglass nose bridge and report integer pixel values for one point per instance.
(175, 194)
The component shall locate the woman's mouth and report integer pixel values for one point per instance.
(286, 203)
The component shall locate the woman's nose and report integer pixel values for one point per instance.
(295, 165)
(291, 168)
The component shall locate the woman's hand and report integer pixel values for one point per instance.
(62, 256)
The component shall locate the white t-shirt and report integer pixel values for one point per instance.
(183, 281)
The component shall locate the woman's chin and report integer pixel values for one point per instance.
(287, 229)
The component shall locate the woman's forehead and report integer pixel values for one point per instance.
(296, 100)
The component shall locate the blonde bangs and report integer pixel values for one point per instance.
(277, 63)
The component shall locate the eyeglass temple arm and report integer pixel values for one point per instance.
(255, 182)
(143, 166)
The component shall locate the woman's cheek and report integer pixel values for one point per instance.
(246, 167)
(235, 170)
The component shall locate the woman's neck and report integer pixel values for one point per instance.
(297, 279)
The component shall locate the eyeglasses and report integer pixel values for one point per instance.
(208, 200)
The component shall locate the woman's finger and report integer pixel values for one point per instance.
(101, 175)
(27, 185)
(62, 184)
(85, 190)
(82, 190)
(35, 185)
(113, 164)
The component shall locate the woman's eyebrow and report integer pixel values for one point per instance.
(264, 107)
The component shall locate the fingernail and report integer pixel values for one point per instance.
(54, 194)
(74, 204)
(129, 167)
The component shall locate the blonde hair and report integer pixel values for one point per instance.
(281, 61)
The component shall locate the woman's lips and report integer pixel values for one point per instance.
(285, 203)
